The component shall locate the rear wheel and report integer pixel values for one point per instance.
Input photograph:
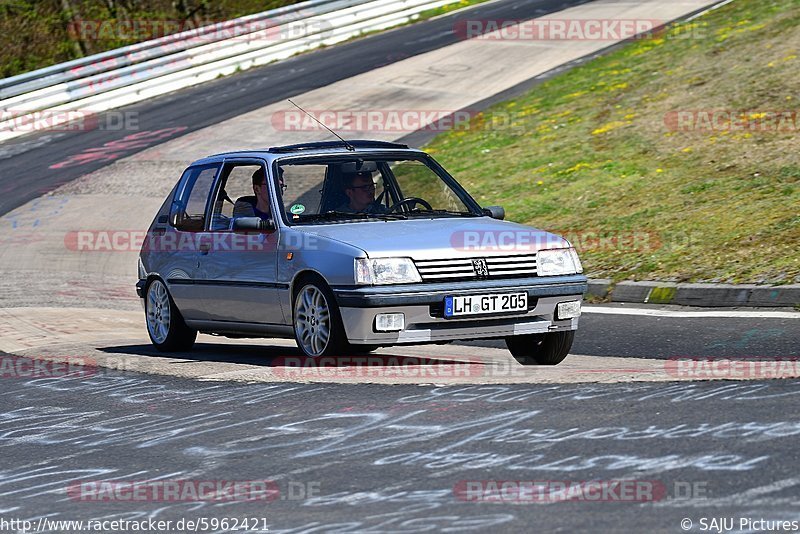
(541, 349)
(317, 325)
(165, 325)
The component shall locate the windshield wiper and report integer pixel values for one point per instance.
(333, 215)
(387, 216)
(343, 215)
(444, 212)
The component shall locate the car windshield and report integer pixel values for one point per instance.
(362, 189)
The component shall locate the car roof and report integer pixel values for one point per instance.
(310, 149)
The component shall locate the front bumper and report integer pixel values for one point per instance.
(421, 304)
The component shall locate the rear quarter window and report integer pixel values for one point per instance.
(194, 197)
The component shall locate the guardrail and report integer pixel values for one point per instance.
(55, 95)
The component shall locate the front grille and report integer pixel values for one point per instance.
(462, 269)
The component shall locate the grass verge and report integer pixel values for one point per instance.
(599, 153)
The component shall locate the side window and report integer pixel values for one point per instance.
(415, 179)
(235, 197)
(191, 205)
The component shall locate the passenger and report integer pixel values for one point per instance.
(360, 190)
(258, 205)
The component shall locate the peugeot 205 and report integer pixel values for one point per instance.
(350, 246)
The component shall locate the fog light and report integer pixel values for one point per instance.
(390, 322)
(568, 310)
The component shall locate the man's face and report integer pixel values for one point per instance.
(262, 193)
(361, 193)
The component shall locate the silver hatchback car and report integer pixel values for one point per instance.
(347, 247)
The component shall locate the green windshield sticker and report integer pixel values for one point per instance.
(297, 209)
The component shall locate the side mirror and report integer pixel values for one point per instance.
(253, 224)
(495, 212)
(176, 218)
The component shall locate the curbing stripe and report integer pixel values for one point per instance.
(703, 295)
(661, 295)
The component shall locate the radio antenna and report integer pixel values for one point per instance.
(347, 145)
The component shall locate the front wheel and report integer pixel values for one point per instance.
(317, 326)
(542, 349)
(165, 325)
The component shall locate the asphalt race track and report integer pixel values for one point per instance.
(365, 458)
(443, 438)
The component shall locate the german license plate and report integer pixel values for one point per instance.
(458, 306)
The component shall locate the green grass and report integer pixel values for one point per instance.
(589, 154)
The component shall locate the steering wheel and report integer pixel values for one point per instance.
(410, 201)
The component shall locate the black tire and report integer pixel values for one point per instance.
(541, 349)
(308, 316)
(168, 331)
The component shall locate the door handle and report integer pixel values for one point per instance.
(204, 248)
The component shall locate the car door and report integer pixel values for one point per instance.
(238, 269)
(177, 247)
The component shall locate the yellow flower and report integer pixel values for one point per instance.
(659, 170)
(578, 167)
(608, 127)
(575, 95)
(540, 182)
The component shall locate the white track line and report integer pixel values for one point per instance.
(693, 314)
(709, 10)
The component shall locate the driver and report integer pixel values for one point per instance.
(360, 190)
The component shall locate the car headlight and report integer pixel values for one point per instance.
(558, 261)
(386, 271)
